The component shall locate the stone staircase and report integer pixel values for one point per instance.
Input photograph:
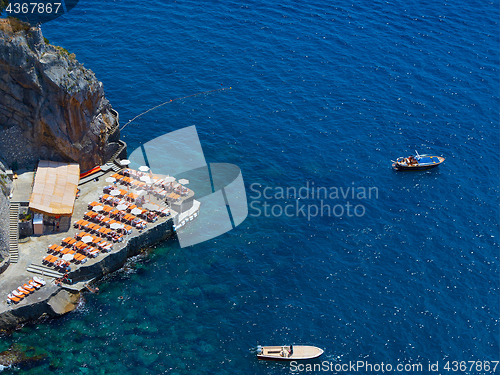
(14, 233)
(112, 166)
(115, 156)
(43, 270)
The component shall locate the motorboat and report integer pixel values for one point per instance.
(288, 352)
(417, 163)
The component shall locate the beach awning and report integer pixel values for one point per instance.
(54, 188)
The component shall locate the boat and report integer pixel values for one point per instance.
(417, 163)
(288, 353)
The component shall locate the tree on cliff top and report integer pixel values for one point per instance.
(3, 5)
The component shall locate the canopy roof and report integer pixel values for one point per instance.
(54, 189)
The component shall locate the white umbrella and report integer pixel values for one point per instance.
(111, 179)
(121, 207)
(87, 239)
(114, 193)
(146, 179)
(169, 179)
(150, 206)
(139, 192)
(116, 226)
(97, 208)
(67, 257)
(125, 162)
(183, 181)
(135, 211)
(143, 168)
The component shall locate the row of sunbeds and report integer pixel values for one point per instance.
(113, 213)
(159, 188)
(25, 290)
(76, 247)
(108, 208)
(122, 194)
(56, 262)
(93, 222)
(145, 213)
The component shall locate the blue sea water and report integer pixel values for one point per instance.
(312, 95)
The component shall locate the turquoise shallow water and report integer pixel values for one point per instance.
(320, 94)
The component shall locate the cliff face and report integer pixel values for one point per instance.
(51, 107)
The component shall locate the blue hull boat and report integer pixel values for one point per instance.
(417, 163)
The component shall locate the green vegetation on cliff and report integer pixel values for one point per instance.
(3, 5)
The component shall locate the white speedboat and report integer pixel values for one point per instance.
(288, 352)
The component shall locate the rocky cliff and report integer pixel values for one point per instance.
(51, 107)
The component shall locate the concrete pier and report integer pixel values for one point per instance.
(54, 300)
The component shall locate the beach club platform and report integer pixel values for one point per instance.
(111, 219)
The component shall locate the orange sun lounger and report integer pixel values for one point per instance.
(58, 249)
(29, 288)
(22, 290)
(79, 257)
(90, 214)
(14, 298)
(50, 259)
(69, 241)
(52, 247)
(93, 204)
(96, 240)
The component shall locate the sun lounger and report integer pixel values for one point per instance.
(80, 235)
(29, 288)
(58, 250)
(90, 215)
(93, 204)
(79, 257)
(51, 248)
(69, 241)
(38, 280)
(79, 222)
(91, 227)
(34, 284)
(68, 250)
(50, 259)
(22, 290)
(107, 247)
(17, 293)
(13, 298)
